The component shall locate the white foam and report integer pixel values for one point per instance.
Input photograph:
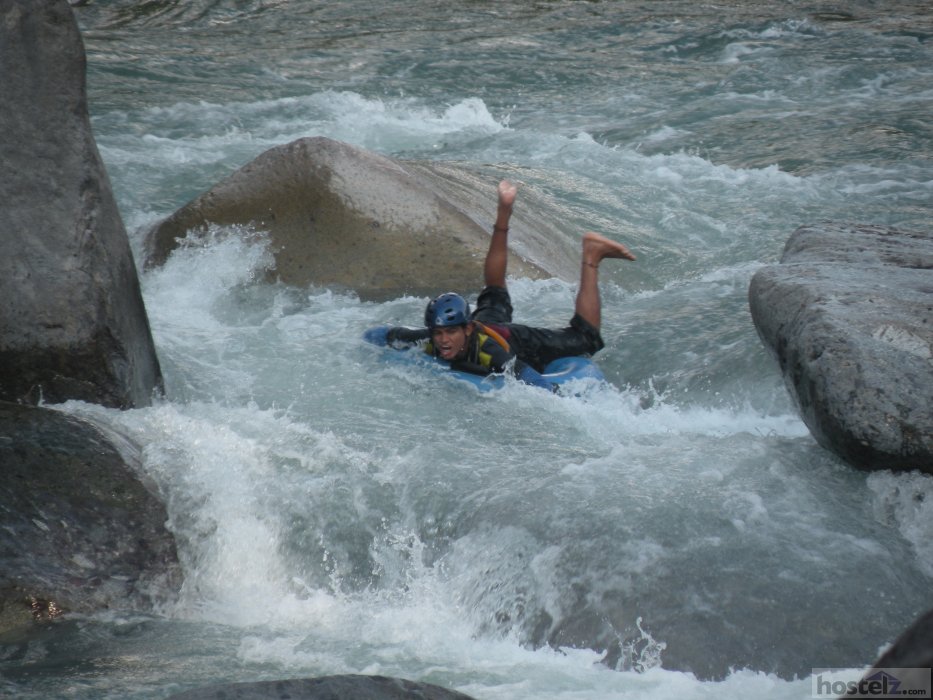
(906, 501)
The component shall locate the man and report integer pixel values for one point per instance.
(486, 340)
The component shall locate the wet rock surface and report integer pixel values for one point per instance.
(357, 687)
(80, 531)
(72, 324)
(345, 218)
(849, 316)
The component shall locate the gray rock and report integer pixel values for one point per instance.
(913, 650)
(342, 217)
(80, 531)
(347, 687)
(72, 322)
(849, 316)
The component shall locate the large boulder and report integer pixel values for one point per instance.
(343, 217)
(357, 687)
(80, 531)
(849, 315)
(72, 322)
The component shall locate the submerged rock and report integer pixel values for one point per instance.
(849, 316)
(356, 687)
(80, 531)
(72, 323)
(342, 217)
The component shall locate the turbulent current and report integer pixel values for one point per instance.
(673, 532)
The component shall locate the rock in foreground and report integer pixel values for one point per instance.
(849, 316)
(912, 650)
(342, 217)
(72, 322)
(79, 530)
(326, 688)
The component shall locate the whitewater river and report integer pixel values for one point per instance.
(674, 533)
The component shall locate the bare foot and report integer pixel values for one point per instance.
(507, 192)
(596, 247)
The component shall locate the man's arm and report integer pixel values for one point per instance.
(397, 336)
(506, 361)
(402, 337)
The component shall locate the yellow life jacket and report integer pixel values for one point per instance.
(486, 333)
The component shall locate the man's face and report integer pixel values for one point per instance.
(451, 341)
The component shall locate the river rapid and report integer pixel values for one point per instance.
(675, 532)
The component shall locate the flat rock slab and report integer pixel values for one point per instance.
(345, 218)
(347, 687)
(80, 531)
(849, 316)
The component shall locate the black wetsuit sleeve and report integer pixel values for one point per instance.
(470, 367)
(521, 370)
(500, 357)
(505, 360)
(401, 337)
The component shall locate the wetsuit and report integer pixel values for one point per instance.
(529, 346)
(536, 346)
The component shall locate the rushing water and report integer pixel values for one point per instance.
(675, 533)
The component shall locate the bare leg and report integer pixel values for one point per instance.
(497, 259)
(595, 248)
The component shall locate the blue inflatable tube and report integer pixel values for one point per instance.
(560, 371)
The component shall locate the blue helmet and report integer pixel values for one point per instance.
(447, 310)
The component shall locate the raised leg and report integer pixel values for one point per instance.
(595, 249)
